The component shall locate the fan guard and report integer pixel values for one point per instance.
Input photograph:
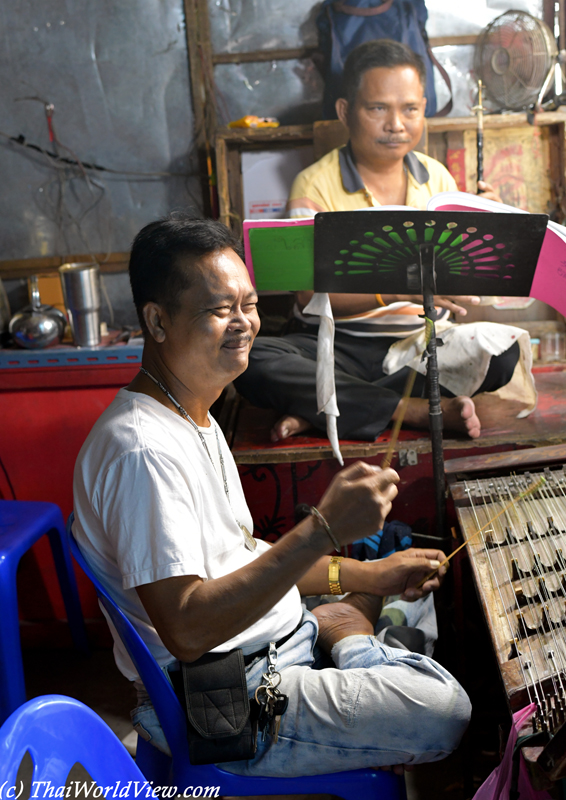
(513, 57)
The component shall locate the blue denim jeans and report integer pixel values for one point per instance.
(377, 706)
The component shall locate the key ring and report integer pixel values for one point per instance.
(264, 687)
(272, 680)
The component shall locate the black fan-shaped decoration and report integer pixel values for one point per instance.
(513, 57)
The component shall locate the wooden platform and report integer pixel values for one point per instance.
(278, 476)
(546, 425)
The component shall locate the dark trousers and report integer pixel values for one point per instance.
(282, 375)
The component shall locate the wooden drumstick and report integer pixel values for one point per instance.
(404, 404)
(480, 530)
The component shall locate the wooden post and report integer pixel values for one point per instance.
(202, 88)
(222, 176)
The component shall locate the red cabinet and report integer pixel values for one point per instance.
(46, 413)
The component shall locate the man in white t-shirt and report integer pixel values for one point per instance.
(161, 518)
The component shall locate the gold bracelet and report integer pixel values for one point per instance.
(334, 575)
(380, 302)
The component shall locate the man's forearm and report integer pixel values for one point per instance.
(348, 305)
(343, 305)
(208, 613)
(355, 576)
(193, 616)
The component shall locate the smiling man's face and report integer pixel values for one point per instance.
(386, 119)
(215, 320)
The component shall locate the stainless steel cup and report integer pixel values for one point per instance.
(81, 290)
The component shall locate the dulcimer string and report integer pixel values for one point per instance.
(540, 544)
(530, 535)
(519, 497)
(521, 523)
(513, 633)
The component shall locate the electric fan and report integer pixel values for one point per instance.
(515, 57)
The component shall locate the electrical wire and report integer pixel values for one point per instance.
(75, 162)
(61, 194)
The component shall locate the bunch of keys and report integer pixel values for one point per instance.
(272, 702)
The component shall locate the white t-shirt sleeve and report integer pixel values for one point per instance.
(148, 510)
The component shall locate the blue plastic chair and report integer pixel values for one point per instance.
(21, 525)
(177, 771)
(58, 732)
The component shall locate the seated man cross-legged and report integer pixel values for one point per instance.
(162, 520)
(382, 106)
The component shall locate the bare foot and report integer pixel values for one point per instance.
(459, 414)
(355, 615)
(288, 426)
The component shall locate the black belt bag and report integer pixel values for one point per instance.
(214, 694)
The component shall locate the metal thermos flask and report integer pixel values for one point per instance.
(81, 290)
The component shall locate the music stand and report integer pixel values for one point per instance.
(428, 253)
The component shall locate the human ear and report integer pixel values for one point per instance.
(342, 110)
(153, 318)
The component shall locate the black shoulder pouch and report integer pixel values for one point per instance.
(214, 694)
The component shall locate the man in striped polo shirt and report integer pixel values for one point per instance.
(383, 108)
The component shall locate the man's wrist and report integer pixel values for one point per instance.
(313, 535)
(354, 576)
(361, 576)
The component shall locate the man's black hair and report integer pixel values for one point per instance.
(162, 251)
(378, 53)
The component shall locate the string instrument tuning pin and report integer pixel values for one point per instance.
(524, 631)
(522, 599)
(543, 590)
(560, 563)
(510, 536)
(554, 716)
(538, 566)
(531, 530)
(547, 621)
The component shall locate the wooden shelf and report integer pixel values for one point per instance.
(24, 267)
(497, 121)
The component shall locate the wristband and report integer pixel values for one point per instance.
(334, 575)
(380, 302)
(316, 513)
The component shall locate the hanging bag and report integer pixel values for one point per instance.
(343, 26)
(510, 780)
(220, 718)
